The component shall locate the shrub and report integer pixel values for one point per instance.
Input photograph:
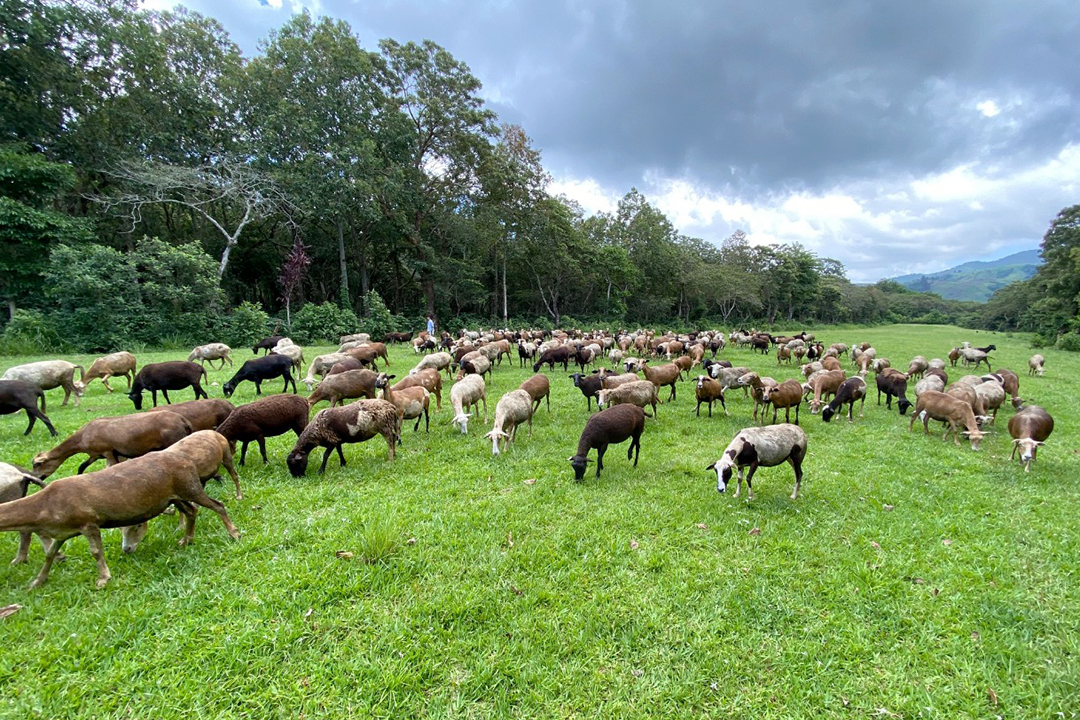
(326, 322)
(247, 325)
(30, 333)
(1068, 341)
(377, 318)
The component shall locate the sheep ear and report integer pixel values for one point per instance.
(711, 467)
(570, 459)
(1016, 442)
(1039, 442)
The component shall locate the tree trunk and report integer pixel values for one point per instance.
(506, 313)
(11, 309)
(230, 243)
(346, 300)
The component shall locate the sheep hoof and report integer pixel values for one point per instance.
(102, 582)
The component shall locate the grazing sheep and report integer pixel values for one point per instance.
(786, 395)
(852, 389)
(114, 438)
(477, 365)
(345, 386)
(824, 385)
(893, 384)
(466, 393)
(333, 427)
(321, 365)
(933, 405)
(935, 364)
(430, 379)
(917, 367)
(266, 344)
(550, 357)
(513, 408)
(708, 390)
(761, 447)
(412, 403)
(438, 361)
(166, 376)
(16, 395)
(205, 414)
(266, 417)
(929, 382)
(590, 385)
(640, 392)
(349, 363)
(539, 388)
(105, 367)
(1035, 365)
(367, 353)
(118, 496)
(663, 376)
(354, 338)
(757, 385)
(49, 374)
(14, 484)
(212, 352)
(294, 352)
(265, 368)
(976, 356)
(611, 426)
(991, 395)
(1029, 428)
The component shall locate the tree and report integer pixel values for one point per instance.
(292, 275)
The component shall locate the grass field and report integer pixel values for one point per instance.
(910, 579)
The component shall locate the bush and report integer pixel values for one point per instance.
(1069, 342)
(326, 323)
(247, 325)
(377, 318)
(30, 333)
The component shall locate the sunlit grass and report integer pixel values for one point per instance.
(910, 577)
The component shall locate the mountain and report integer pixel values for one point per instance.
(975, 280)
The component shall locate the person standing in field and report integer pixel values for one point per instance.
(431, 325)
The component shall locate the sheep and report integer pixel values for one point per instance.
(260, 369)
(665, 375)
(991, 395)
(465, 393)
(205, 414)
(355, 337)
(976, 356)
(114, 438)
(267, 344)
(552, 356)
(349, 363)
(16, 395)
(212, 352)
(526, 351)
(118, 496)
(611, 426)
(412, 403)
(295, 353)
(966, 393)
(49, 374)
(368, 353)
(616, 356)
(757, 385)
(1011, 382)
(321, 365)
(730, 377)
(118, 363)
(430, 379)
(344, 386)
(783, 354)
(1035, 365)
(786, 395)
(880, 365)
(266, 417)
(825, 384)
(14, 484)
(639, 392)
(633, 364)
(708, 390)
(863, 363)
(166, 376)
(1029, 428)
(397, 337)
(590, 385)
(852, 389)
(513, 408)
(933, 405)
(917, 367)
(610, 381)
(935, 364)
(893, 384)
(761, 447)
(335, 426)
(438, 361)
(954, 356)
(930, 382)
(684, 363)
(478, 365)
(539, 388)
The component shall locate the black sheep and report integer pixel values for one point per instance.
(590, 386)
(560, 354)
(893, 384)
(613, 425)
(267, 344)
(16, 395)
(850, 390)
(259, 369)
(268, 417)
(165, 376)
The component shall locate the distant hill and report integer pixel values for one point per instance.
(975, 280)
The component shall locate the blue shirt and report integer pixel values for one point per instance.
(430, 326)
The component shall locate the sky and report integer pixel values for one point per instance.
(894, 136)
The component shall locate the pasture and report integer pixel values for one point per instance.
(910, 579)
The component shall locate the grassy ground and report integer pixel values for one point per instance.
(910, 579)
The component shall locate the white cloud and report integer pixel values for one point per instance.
(989, 108)
(586, 192)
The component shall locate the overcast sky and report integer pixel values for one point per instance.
(894, 136)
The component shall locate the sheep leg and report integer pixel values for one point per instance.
(90, 461)
(227, 461)
(258, 387)
(600, 459)
(50, 555)
(105, 381)
(697, 410)
(93, 539)
(738, 482)
(416, 427)
(548, 396)
(749, 479)
(35, 414)
(325, 459)
(200, 497)
(24, 548)
(635, 447)
(796, 458)
(164, 394)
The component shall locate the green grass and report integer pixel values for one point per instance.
(498, 587)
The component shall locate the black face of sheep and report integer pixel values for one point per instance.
(903, 404)
(136, 397)
(297, 462)
(579, 464)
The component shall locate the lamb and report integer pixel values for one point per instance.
(639, 392)
(438, 361)
(933, 405)
(166, 376)
(539, 388)
(708, 390)
(344, 386)
(823, 385)
(114, 438)
(761, 447)
(466, 393)
(205, 414)
(590, 385)
(260, 369)
(118, 363)
(513, 408)
(850, 390)
(611, 426)
(1035, 365)
(49, 374)
(786, 395)
(430, 379)
(295, 353)
(663, 376)
(118, 496)
(14, 484)
(412, 403)
(893, 384)
(267, 344)
(333, 427)
(917, 367)
(16, 395)
(212, 352)
(757, 385)
(1029, 428)
(266, 417)
(321, 365)
(560, 354)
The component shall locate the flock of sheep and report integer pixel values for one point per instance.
(164, 457)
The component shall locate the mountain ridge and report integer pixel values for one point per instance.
(975, 280)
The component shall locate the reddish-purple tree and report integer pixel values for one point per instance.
(292, 275)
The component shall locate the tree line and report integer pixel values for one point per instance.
(158, 185)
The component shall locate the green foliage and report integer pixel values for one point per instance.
(323, 323)
(31, 332)
(246, 325)
(179, 290)
(377, 318)
(1068, 341)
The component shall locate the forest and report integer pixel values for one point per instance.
(157, 186)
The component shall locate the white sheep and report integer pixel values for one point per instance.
(761, 447)
(211, 352)
(49, 374)
(513, 408)
(466, 393)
